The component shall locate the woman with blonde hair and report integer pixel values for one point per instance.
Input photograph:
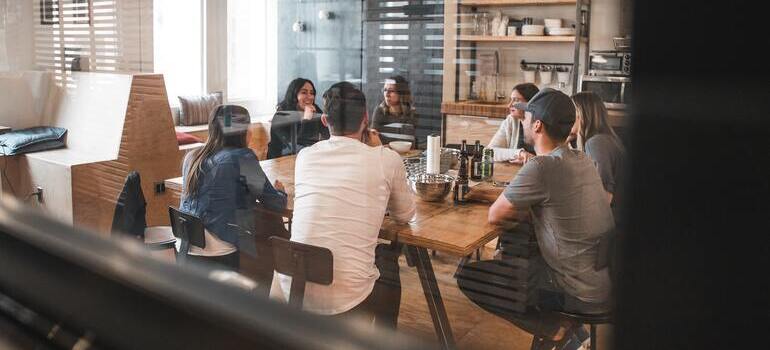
(597, 139)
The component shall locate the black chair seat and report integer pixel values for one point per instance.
(587, 318)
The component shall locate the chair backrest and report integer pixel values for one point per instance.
(304, 263)
(188, 229)
(130, 208)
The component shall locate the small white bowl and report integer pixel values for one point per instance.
(532, 29)
(400, 146)
(561, 31)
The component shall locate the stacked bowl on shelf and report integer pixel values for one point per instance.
(533, 29)
(553, 26)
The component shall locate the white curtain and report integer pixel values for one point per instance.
(178, 46)
(252, 55)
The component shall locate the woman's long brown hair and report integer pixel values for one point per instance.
(592, 116)
(216, 141)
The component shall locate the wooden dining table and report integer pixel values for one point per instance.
(445, 226)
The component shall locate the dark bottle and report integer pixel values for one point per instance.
(461, 183)
(476, 162)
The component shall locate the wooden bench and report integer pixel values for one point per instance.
(116, 123)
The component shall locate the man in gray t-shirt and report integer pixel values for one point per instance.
(570, 213)
(562, 192)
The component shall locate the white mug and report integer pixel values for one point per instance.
(529, 76)
(545, 77)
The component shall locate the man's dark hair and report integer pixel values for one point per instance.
(556, 133)
(345, 107)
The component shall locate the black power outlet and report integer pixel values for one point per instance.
(160, 187)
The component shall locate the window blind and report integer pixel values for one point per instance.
(93, 35)
(407, 38)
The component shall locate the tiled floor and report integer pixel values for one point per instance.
(473, 327)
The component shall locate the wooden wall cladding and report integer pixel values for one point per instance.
(148, 145)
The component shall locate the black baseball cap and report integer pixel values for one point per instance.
(552, 107)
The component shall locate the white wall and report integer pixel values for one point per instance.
(16, 35)
(607, 21)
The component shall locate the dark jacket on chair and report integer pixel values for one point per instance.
(130, 209)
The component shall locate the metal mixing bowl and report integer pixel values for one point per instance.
(431, 187)
(450, 159)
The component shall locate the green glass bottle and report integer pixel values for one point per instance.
(488, 165)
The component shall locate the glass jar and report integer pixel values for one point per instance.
(484, 24)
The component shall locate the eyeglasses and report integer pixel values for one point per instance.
(389, 91)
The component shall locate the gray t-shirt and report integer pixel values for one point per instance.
(570, 214)
(608, 156)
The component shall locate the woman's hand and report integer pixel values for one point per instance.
(279, 186)
(522, 158)
(309, 112)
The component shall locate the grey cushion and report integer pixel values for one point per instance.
(195, 110)
(34, 139)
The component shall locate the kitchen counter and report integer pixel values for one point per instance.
(476, 108)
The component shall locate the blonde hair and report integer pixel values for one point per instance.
(592, 118)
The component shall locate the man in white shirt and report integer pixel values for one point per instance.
(343, 188)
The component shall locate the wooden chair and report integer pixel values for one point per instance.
(188, 229)
(304, 263)
(258, 263)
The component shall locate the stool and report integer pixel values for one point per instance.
(590, 319)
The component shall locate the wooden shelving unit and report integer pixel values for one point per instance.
(518, 38)
(515, 2)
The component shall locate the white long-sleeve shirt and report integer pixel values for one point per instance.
(506, 139)
(342, 191)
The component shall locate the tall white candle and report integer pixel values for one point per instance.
(433, 165)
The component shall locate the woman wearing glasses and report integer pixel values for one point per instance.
(508, 142)
(395, 117)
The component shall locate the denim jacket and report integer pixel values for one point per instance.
(231, 183)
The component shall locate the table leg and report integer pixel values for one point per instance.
(294, 138)
(464, 260)
(433, 296)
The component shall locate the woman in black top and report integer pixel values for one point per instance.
(297, 109)
(396, 107)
